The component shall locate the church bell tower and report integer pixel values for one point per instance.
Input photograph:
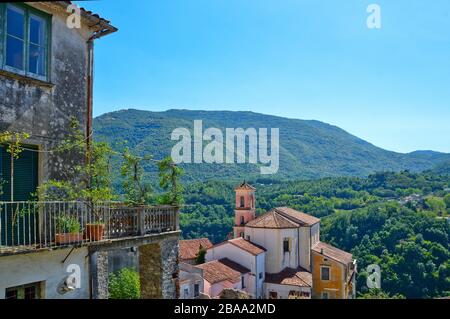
(245, 207)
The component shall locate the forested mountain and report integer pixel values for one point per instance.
(308, 149)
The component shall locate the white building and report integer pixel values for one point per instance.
(283, 253)
(249, 255)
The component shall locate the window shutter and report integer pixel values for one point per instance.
(25, 183)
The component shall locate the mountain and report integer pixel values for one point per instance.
(308, 148)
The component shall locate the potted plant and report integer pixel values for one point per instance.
(95, 231)
(68, 230)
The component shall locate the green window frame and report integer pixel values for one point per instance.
(35, 41)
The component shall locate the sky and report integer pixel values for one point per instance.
(305, 59)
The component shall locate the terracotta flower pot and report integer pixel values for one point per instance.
(94, 232)
(69, 238)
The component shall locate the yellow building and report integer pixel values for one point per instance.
(333, 273)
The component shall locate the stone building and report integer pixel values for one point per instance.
(46, 80)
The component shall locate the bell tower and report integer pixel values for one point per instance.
(245, 207)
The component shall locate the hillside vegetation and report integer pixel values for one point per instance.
(308, 149)
(396, 220)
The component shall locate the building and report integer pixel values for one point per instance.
(333, 272)
(249, 255)
(283, 251)
(223, 274)
(191, 277)
(191, 281)
(189, 249)
(46, 80)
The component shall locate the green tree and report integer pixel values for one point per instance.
(200, 256)
(436, 204)
(136, 190)
(124, 285)
(379, 294)
(169, 175)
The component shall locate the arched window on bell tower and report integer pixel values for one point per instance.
(242, 204)
(242, 220)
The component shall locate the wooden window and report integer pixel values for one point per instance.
(25, 44)
(325, 273)
(30, 291)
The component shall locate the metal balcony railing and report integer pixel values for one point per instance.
(35, 225)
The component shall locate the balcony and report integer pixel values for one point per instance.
(28, 226)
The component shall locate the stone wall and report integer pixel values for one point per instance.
(158, 267)
(44, 109)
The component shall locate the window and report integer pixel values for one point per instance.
(196, 290)
(248, 237)
(325, 295)
(286, 247)
(243, 282)
(25, 40)
(30, 291)
(186, 293)
(325, 273)
(242, 220)
(242, 235)
(242, 202)
(260, 275)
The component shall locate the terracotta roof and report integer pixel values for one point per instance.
(247, 246)
(245, 185)
(296, 216)
(289, 276)
(190, 248)
(271, 220)
(333, 253)
(222, 270)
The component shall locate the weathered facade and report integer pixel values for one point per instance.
(44, 105)
(46, 81)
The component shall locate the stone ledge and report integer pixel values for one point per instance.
(26, 79)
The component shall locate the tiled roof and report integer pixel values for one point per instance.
(296, 216)
(189, 248)
(271, 220)
(245, 185)
(222, 270)
(247, 246)
(289, 276)
(333, 253)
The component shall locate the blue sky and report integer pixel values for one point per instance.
(307, 59)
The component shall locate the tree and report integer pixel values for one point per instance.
(124, 285)
(136, 190)
(436, 204)
(200, 256)
(90, 179)
(169, 175)
(379, 294)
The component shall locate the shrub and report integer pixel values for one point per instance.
(124, 285)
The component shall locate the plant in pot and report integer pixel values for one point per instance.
(68, 230)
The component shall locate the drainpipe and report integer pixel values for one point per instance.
(90, 81)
